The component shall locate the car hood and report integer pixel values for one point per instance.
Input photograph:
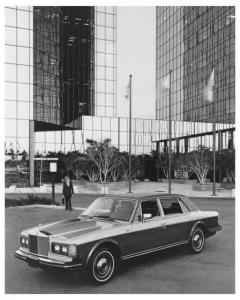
(73, 228)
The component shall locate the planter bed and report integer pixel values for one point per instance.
(203, 187)
(28, 200)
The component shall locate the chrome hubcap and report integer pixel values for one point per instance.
(103, 265)
(197, 240)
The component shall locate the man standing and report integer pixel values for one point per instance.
(67, 193)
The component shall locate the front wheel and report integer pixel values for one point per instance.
(102, 265)
(197, 240)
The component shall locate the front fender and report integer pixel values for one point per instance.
(101, 243)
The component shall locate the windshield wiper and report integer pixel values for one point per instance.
(86, 216)
(104, 217)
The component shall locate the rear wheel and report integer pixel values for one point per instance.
(197, 240)
(102, 265)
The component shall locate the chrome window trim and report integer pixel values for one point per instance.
(153, 219)
(180, 200)
(135, 213)
(131, 220)
(168, 215)
(159, 209)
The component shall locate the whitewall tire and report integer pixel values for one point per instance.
(102, 265)
(197, 240)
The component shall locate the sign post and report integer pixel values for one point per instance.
(53, 170)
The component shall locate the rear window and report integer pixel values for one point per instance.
(171, 206)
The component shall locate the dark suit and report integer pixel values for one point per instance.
(68, 192)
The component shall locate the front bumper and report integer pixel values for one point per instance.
(39, 261)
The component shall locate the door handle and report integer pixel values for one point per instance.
(164, 226)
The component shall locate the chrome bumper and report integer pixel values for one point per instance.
(37, 261)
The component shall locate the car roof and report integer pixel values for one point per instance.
(138, 196)
(143, 196)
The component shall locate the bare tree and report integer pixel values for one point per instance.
(199, 162)
(106, 158)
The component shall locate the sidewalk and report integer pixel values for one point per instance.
(139, 187)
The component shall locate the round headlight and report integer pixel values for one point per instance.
(24, 241)
(72, 250)
(64, 249)
(56, 248)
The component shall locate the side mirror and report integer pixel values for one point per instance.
(147, 216)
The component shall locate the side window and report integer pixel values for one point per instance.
(171, 206)
(150, 208)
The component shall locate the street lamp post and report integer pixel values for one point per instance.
(130, 134)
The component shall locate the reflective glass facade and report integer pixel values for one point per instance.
(105, 22)
(46, 64)
(18, 77)
(145, 133)
(60, 64)
(77, 55)
(194, 41)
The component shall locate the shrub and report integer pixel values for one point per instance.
(30, 200)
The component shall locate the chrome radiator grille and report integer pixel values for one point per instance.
(38, 245)
(33, 244)
(43, 245)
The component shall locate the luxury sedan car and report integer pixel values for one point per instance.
(116, 228)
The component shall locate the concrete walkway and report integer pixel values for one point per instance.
(139, 187)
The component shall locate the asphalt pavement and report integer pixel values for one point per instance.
(172, 271)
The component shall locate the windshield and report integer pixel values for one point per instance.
(110, 208)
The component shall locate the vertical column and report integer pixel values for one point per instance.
(220, 147)
(31, 151)
(119, 133)
(158, 158)
(230, 140)
(165, 147)
(186, 144)
(220, 140)
(177, 145)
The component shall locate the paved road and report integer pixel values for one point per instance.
(172, 271)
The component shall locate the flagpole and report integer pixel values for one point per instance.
(214, 154)
(130, 136)
(170, 135)
(214, 146)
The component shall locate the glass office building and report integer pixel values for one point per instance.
(60, 86)
(197, 43)
(18, 78)
(105, 60)
(60, 64)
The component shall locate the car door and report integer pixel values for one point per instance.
(177, 220)
(146, 234)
